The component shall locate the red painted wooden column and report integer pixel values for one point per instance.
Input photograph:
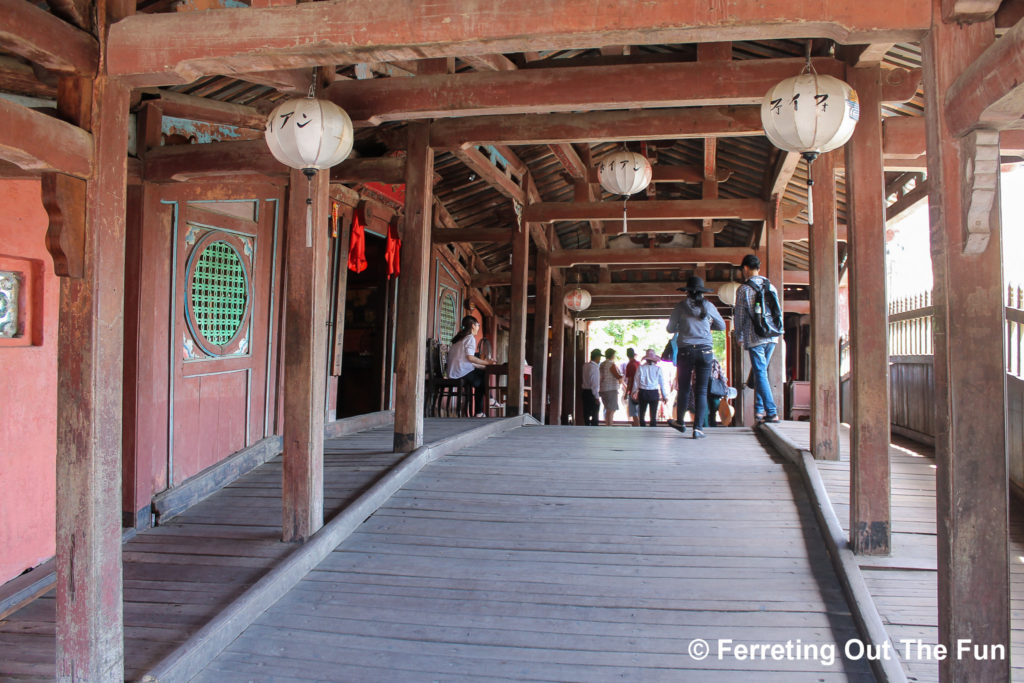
(305, 360)
(870, 531)
(773, 241)
(90, 642)
(541, 324)
(557, 373)
(970, 452)
(413, 291)
(517, 319)
(824, 276)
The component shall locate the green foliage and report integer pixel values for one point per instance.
(640, 335)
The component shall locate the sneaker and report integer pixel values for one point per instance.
(697, 434)
(480, 415)
(677, 425)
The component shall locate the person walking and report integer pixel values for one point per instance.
(632, 407)
(759, 348)
(591, 386)
(650, 387)
(611, 381)
(694, 318)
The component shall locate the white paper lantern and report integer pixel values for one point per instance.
(578, 300)
(810, 114)
(624, 173)
(309, 134)
(727, 293)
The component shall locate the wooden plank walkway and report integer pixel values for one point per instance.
(567, 553)
(905, 584)
(178, 576)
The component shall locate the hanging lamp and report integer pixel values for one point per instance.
(810, 114)
(578, 299)
(624, 173)
(309, 134)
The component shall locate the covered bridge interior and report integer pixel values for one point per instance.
(177, 313)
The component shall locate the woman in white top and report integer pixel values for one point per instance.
(464, 364)
(611, 380)
(650, 387)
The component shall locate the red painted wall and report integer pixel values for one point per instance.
(28, 431)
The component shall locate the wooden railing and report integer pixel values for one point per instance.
(910, 325)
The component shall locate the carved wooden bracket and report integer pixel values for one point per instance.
(64, 200)
(979, 155)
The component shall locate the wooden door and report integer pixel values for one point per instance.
(222, 343)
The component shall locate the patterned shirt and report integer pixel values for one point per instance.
(743, 314)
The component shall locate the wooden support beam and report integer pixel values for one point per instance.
(570, 160)
(608, 290)
(907, 201)
(517, 319)
(78, 12)
(800, 232)
(796, 277)
(41, 37)
(177, 163)
(692, 227)
(452, 236)
(870, 54)
(413, 291)
(566, 89)
(773, 265)
(305, 360)
(291, 81)
(668, 255)
(39, 143)
(870, 518)
(202, 109)
(159, 49)
(558, 357)
(596, 127)
(990, 92)
(736, 209)
(777, 179)
(541, 325)
(20, 79)
(90, 352)
(489, 62)
(797, 306)
(969, 11)
(824, 274)
(970, 443)
(490, 173)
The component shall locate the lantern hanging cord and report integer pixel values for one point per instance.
(518, 208)
(313, 82)
(808, 67)
(309, 173)
(809, 157)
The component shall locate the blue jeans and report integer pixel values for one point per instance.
(760, 357)
(694, 361)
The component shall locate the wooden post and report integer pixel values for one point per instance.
(970, 451)
(557, 353)
(744, 395)
(870, 531)
(305, 359)
(413, 290)
(777, 368)
(541, 324)
(517, 319)
(90, 635)
(824, 276)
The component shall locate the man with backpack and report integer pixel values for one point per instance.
(757, 317)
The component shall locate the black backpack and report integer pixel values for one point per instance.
(766, 312)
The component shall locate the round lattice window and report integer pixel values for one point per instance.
(447, 314)
(218, 295)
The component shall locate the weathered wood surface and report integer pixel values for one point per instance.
(178, 576)
(904, 584)
(558, 553)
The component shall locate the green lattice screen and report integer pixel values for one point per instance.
(447, 325)
(219, 292)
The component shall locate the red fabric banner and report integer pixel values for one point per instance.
(357, 244)
(393, 251)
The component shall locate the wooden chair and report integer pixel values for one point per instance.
(442, 391)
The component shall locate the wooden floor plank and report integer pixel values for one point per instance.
(555, 553)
